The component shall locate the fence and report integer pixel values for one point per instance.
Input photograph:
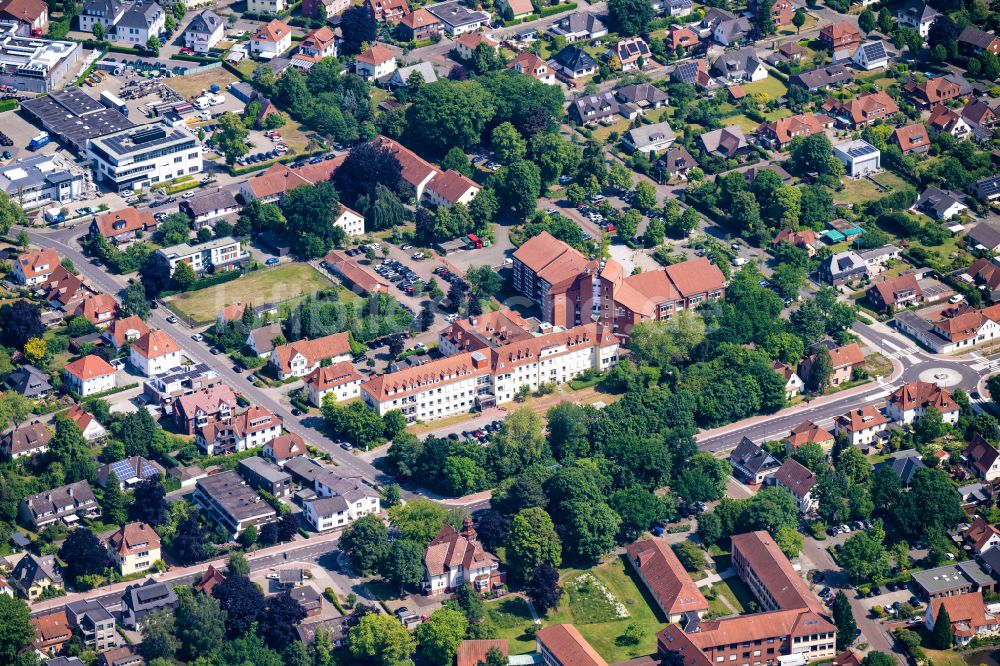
(203, 68)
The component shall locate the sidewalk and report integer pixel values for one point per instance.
(182, 572)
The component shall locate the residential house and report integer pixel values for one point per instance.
(779, 133)
(254, 427)
(781, 10)
(739, 66)
(912, 139)
(579, 26)
(209, 580)
(979, 115)
(94, 622)
(316, 45)
(208, 206)
(973, 41)
(793, 383)
(467, 44)
(981, 536)
(29, 381)
(862, 426)
(681, 37)
(597, 108)
(299, 358)
(90, 427)
(121, 656)
(99, 309)
(842, 267)
(401, 77)
(417, 173)
(198, 409)
(904, 464)
(130, 472)
(732, 31)
(649, 139)
(917, 15)
(204, 31)
(455, 558)
(35, 267)
(830, 76)
(632, 53)
(231, 503)
(284, 448)
(798, 480)
(871, 55)
(265, 476)
(725, 142)
(983, 458)
(89, 375)
(63, 290)
(804, 238)
(944, 119)
(573, 64)
(844, 360)
(518, 8)
(859, 112)
(134, 547)
(939, 204)
(139, 600)
(840, 37)
(390, 11)
(154, 353)
(419, 25)
(219, 254)
(807, 432)
(121, 227)
(26, 440)
(676, 8)
(528, 63)
(125, 330)
(898, 292)
(261, 340)
(34, 574)
(266, 6)
(376, 62)
(985, 275)
(340, 380)
(271, 40)
(968, 616)
(987, 189)
(473, 652)
(694, 73)
(751, 462)
(66, 503)
(677, 162)
(52, 632)
(668, 582)
(641, 96)
(932, 91)
(860, 158)
(142, 20)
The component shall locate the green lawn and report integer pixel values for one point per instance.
(602, 132)
(511, 617)
(748, 125)
(856, 191)
(770, 86)
(595, 616)
(736, 592)
(269, 285)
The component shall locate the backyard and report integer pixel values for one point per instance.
(770, 86)
(273, 285)
(859, 190)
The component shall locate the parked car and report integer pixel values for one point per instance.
(197, 337)
(271, 261)
(172, 319)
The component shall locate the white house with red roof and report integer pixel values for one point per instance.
(340, 380)
(126, 329)
(376, 62)
(34, 268)
(316, 45)
(299, 358)
(155, 353)
(352, 222)
(89, 375)
(271, 40)
(90, 427)
(455, 558)
(450, 188)
(528, 63)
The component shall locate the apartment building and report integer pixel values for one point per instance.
(199, 409)
(66, 503)
(861, 426)
(340, 501)
(564, 645)
(155, 353)
(255, 427)
(94, 622)
(265, 476)
(668, 582)
(41, 180)
(791, 624)
(231, 503)
(340, 379)
(141, 156)
(142, 20)
(487, 367)
(139, 600)
(134, 547)
(219, 254)
(455, 558)
(89, 375)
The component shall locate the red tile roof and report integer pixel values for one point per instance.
(133, 537)
(320, 349)
(272, 32)
(911, 137)
(566, 643)
(471, 653)
(806, 432)
(126, 220)
(89, 367)
(330, 376)
(861, 419)
(847, 355)
(376, 55)
(665, 577)
(915, 395)
(155, 344)
(552, 260)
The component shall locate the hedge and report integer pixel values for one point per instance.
(8, 105)
(180, 187)
(206, 282)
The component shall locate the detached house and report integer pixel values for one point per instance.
(528, 63)
(271, 40)
(34, 268)
(968, 616)
(844, 361)
(944, 119)
(983, 458)
(66, 503)
(898, 292)
(419, 26)
(467, 44)
(298, 359)
(632, 53)
(862, 426)
(739, 66)
(134, 547)
(861, 111)
(198, 409)
(454, 558)
(780, 133)
(981, 536)
(340, 380)
(284, 448)
(798, 480)
(255, 427)
(938, 204)
(375, 63)
(390, 11)
(123, 226)
(871, 55)
(154, 353)
(573, 64)
(89, 375)
(917, 15)
(725, 142)
(105, 12)
(340, 501)
(449, 188)
(28, 440)
(99, 309)
(579, 26)
(316, 45)
(932, 92)
(840, 36)
(912, 139)
(144, 19)
(807, 432)
(34, 574)
(204, 31)
(974, 41)
(751, 462)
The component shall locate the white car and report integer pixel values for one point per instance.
(197, 337)
(957, 298)
(417, 256)
(187, 195)
(450, 318)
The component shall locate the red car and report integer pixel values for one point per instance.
(186, 51)
(610, 228)
(948, 313)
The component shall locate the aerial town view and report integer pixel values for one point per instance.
(499, 332)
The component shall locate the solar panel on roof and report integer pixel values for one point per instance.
(861, 150)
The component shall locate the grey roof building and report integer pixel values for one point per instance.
(595, 108)
(643, 95)
(64, 661)
(138, 601)
(232, 503)
(904, 463)
(211, 205)
(261, 340)
(66, 503)
(649, 138)
(738, 65)
(33, 571)
(29, 381)
(987, 189)
(304, 470)
(939, 204)
(457, 18)
(842, 267)
(579, 25)
(27, 440)
(574, 62)
(751, 462)
(266, 476)
(40, 180)
(725, 142)
(400, 78)
(73, 116)
(95, 623)
(822, 77)
(952, 579)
